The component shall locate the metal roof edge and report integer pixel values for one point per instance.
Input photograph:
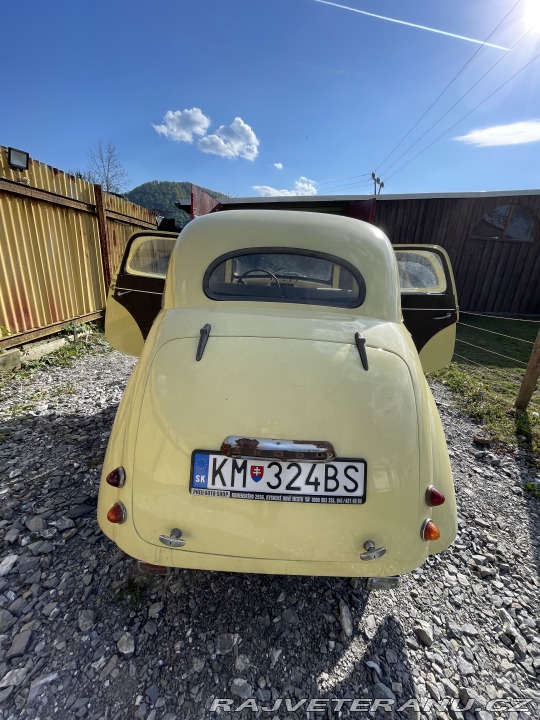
(303, 199)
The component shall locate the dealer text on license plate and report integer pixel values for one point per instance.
(342, 481)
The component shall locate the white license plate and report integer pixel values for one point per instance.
(340, 482)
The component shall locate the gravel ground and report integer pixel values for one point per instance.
(83, 634)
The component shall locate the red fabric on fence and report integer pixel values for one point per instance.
(361, 210)
(202, 203)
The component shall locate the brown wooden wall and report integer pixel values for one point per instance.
(499, 276)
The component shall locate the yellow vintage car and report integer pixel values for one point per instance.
(278, 419)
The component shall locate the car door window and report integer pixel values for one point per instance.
(149, 256)
(428, 302)
(421, 271)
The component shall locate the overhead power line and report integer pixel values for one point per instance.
(430, 128)
(330, 191)
(465, 116)
(449, 85)
(341, 180)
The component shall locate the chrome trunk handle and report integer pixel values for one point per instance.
(372, 552)
(256, 448)
(174, 539)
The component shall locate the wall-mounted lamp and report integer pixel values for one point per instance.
(17, 159)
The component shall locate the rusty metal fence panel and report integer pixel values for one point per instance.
(50, 262)
(56, 252)
(123, 219)
(47, 178)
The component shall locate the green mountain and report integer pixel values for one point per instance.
(163, 194)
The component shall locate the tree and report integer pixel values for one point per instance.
(105, 168)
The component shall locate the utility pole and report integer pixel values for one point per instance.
(377, 181)
(531, 377)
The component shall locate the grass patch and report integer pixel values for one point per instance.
(133, 591)
(31, 401)
(486, 384)
(92, 344)
(68, 389)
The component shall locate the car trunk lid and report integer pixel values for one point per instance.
(279, 387)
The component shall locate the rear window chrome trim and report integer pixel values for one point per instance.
(357, 302)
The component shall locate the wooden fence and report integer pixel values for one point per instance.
(61, 239)
(493, 240)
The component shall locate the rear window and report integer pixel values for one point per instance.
(285, 275)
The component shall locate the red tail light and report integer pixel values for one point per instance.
(434, 497)
(116, 477)
(430, 531)
(150, 569)
(117, 514)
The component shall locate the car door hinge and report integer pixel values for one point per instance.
(205, 334)
(360, 341)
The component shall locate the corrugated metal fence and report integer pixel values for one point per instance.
(61, 239)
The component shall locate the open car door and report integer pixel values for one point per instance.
(136, 293)
(428, 302)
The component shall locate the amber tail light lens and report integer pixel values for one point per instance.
(430, 531)
(117, 514)
(116, 477)
(434, 497)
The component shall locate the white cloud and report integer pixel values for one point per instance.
(182, 125)
(234, 140)
(303, 186)
(279, 166)
(513, 134)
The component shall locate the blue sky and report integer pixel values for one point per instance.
(254, 97)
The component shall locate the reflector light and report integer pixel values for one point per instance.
(153, 569)
(117, 514)
(116, 477)
(434, 497)
(430, 531)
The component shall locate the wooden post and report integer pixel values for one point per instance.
(103, 236)
(532, 373)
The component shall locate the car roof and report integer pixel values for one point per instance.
(361, 244)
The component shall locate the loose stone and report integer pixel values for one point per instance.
(6, 620)
(7, 563)
(14, 677)
(86, 620)
(424, 632)
(225, 643)
(155, 609)
(241, 688)
(345, 618)
(20, 644)
(126, 644)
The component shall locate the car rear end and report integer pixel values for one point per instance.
(277, 435)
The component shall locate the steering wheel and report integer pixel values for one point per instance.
(267, 272)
